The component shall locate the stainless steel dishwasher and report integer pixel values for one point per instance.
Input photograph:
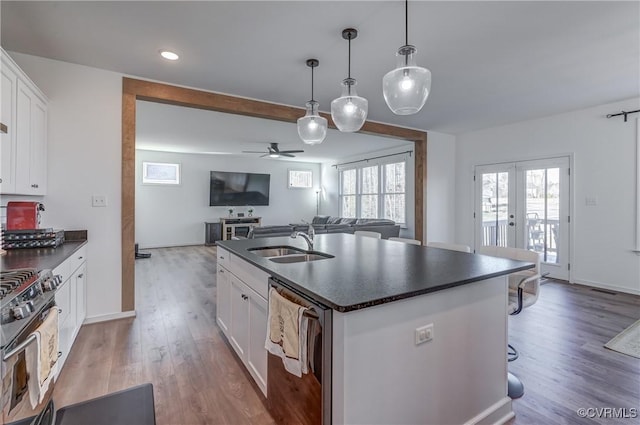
(306, 400)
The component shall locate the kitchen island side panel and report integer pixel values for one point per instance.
(380, 376)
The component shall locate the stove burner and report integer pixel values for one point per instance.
(16, 280)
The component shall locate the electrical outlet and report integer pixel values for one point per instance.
(99, 200)
(424, 334)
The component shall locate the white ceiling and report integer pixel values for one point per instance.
(171, 128)
(493, 63)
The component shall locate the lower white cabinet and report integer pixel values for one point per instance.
(242, 316)
(71, 300)
(223, 307)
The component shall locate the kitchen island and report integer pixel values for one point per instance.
(380, 292)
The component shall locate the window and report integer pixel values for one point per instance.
(160, 173)
(300, 179)
(374, 191)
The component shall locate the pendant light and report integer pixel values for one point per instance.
(312, 128)
(349, 111)
(407, 87)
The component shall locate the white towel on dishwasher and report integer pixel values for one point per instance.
(41, 358)
(287, 333)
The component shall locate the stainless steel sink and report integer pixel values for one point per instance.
(300, 258)
(276, 251)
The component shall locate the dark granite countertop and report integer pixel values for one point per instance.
(39, 258)
(367, 272)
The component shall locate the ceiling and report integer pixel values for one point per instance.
(493, 63)
(170, 128)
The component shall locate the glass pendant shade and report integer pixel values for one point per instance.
(312, 128)
(349, 111)
(407, 87)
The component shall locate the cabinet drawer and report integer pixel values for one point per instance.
(222, 257)
(63, 271)
(63, 300)
(253, 277)
(77, 258)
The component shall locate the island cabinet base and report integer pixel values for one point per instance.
(380, 375)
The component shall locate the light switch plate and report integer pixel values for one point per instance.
(99, 200)
(424, 334)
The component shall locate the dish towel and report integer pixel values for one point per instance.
(287, 333)
(42, 357)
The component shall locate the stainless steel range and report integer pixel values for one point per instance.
(26, 297)
(24, 293)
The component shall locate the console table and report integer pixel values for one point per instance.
(238, 226)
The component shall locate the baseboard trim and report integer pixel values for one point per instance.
(109, 317)
(592, 284)
(498, 413)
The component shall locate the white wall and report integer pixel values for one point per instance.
(604, 168)
(84, 157)
(441, 179)
(175, 215)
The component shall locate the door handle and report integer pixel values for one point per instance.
(511, 223)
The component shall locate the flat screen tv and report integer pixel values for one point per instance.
(237, 189)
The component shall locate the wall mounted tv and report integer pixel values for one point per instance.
(238, 189)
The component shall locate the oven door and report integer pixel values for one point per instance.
(15, 393)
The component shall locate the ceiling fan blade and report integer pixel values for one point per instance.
(266, 154)
(253, 152)
(287, 154)
(296, 151)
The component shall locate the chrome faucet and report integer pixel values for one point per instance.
(306, 236)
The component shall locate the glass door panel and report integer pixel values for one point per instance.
(526, 205)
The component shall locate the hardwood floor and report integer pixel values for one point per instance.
(175, 344)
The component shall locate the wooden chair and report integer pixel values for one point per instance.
(405, 240)
(368, 234)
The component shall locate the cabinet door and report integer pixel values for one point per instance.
(257, 354)
(23, 137)
(31, 133)
(8, 141)
(81, 295)
(223, 300)
(239, 317)
(38, 151)
(66, 322)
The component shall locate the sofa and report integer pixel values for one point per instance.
(330, 224)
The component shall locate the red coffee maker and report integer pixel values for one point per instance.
(23, 215)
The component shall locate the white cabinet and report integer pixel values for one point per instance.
(239, 335)
(24, 108)
(242, 312)
(223, 307)
(71, 299)
(256, 353)
(8, 91)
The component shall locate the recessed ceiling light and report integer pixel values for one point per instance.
(167, 54)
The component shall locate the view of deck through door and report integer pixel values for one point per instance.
(526, 205)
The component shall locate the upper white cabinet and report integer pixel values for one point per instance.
(24, 146)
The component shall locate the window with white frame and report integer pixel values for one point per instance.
(374, 191)
(300, 179)
(160, 173)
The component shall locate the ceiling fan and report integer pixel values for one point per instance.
(274, 152)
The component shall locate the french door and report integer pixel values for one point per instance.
(526, 205)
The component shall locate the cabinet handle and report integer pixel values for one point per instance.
(81, 275)
(59, 310)
(221, 271)
(35, 186)
(244, 297)
(221, 257)
(59, 354)
(80, 258)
